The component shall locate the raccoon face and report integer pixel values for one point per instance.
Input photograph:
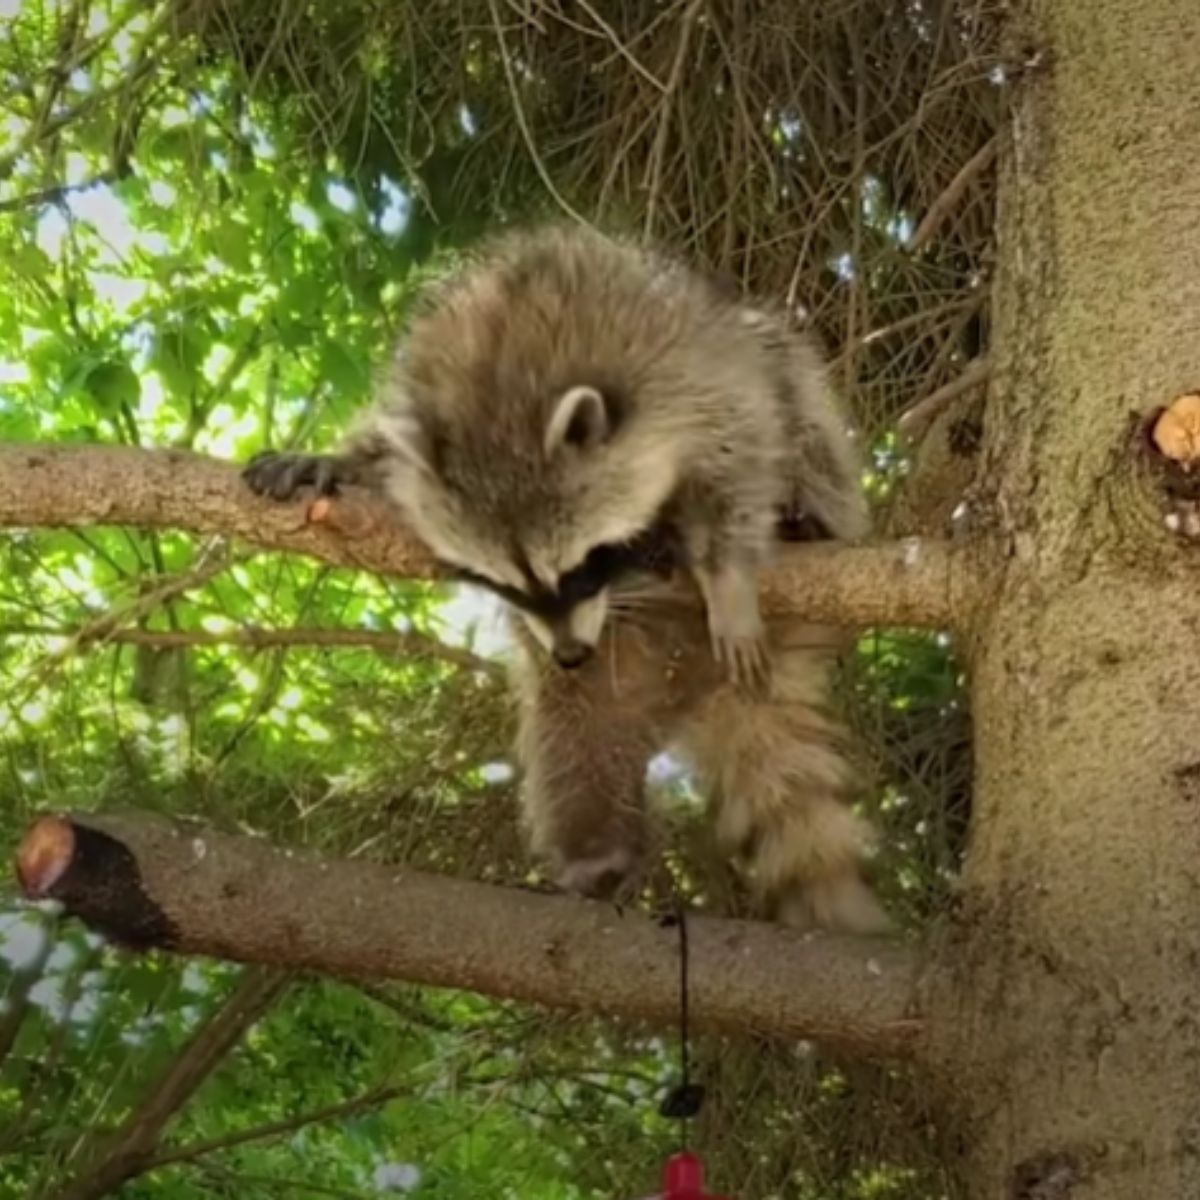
(568, 616)
(549, 528)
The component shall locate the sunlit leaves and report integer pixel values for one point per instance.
(112, 386)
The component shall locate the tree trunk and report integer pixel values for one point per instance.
(1066, 1025)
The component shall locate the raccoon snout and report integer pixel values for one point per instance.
(571, 653)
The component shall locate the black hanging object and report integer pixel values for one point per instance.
(685, 1099)
(683, 1174)
(682, 1102)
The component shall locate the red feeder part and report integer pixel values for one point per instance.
(683, 1179)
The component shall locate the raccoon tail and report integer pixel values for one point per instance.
(780, 785)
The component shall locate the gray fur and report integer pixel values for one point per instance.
(703, 398)
(563, 392)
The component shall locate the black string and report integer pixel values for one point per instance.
(684, 1046)
(684, 1100)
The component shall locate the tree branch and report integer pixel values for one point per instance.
(176, 489)
(111, 1162)
(926, 584)
(954, 192)
(382, 641)
(55, 194)
(374, 1098)
(915, 420)
(146, 882)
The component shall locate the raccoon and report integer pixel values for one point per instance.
(569, 421)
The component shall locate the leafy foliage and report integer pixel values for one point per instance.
(213, 219)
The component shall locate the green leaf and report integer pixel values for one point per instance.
(232, 243)
(177, 355)
(347, 373)
(113, 385)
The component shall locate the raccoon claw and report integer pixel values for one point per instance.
(281, 476)
(747, 663)
(736, 628)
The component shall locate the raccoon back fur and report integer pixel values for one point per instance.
(558, 409)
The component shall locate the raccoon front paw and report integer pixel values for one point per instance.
(735, 626)
(746, 662)
(281, 476)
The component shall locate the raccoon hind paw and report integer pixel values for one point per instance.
(840, 904)
(611, 876)
(280, 476)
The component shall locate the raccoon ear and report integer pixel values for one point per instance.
(581, 418)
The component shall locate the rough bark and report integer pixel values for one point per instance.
(1066, 1029)
(188, 889)
(923, 583)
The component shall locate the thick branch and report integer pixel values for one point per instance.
(176, 489)
(927, 584)
(185, 888)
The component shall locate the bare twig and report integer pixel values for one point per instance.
(523, 122)
(260, 1133)
(213, 561)
(953, 193)
(959, 304)
(918, 418)
(408, 642)
(622, 49)
(55, 194)
(654, 168)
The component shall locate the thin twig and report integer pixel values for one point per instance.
(55, 194)
(259, 1133)
(971, 300)
(622, 49)
(953, 193)
(918, 418)
(655, 165)
(109, 1162)
(407, 642)
(523, 123)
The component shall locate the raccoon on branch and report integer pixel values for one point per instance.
(567, 420)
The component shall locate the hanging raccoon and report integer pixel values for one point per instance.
(567, 417)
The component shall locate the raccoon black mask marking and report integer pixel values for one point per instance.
(604, 566)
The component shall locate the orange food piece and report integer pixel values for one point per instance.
(1176, 433)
